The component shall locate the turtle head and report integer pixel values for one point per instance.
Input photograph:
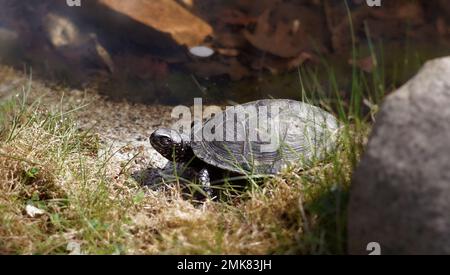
(171, 144)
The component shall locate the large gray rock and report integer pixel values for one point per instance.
(400, 195)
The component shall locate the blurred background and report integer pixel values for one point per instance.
(139, 50)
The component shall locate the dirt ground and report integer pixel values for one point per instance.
(122, 127)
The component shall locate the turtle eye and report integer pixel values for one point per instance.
(166, 141)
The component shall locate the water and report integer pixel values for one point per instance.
(125, 58)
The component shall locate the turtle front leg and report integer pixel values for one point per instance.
(203, 179)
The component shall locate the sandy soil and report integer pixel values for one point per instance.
(123, 128)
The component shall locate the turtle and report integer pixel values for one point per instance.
(256, 138)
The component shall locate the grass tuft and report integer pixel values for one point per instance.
(47, 162)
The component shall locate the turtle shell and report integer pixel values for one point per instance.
(265, 136)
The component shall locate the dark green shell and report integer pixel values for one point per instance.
(300, 133)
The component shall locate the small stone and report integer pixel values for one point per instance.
(33, 211)
(201, 51)
(74, 248)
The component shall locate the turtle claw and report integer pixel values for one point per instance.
(194, 182)
(205, 182)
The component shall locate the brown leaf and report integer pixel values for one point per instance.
(278, 65)
(367, 64)
(441, 26)
(299, 60)
(228, 39)
(412, 12)
(165, 16)
(279, 40)
(228, 52)
(236, 17)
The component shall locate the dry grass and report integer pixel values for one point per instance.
(47, 162)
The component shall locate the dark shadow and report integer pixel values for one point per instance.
(224, 185)
(143, 57)
(328, 233)
(149, 177)
(164, 180)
